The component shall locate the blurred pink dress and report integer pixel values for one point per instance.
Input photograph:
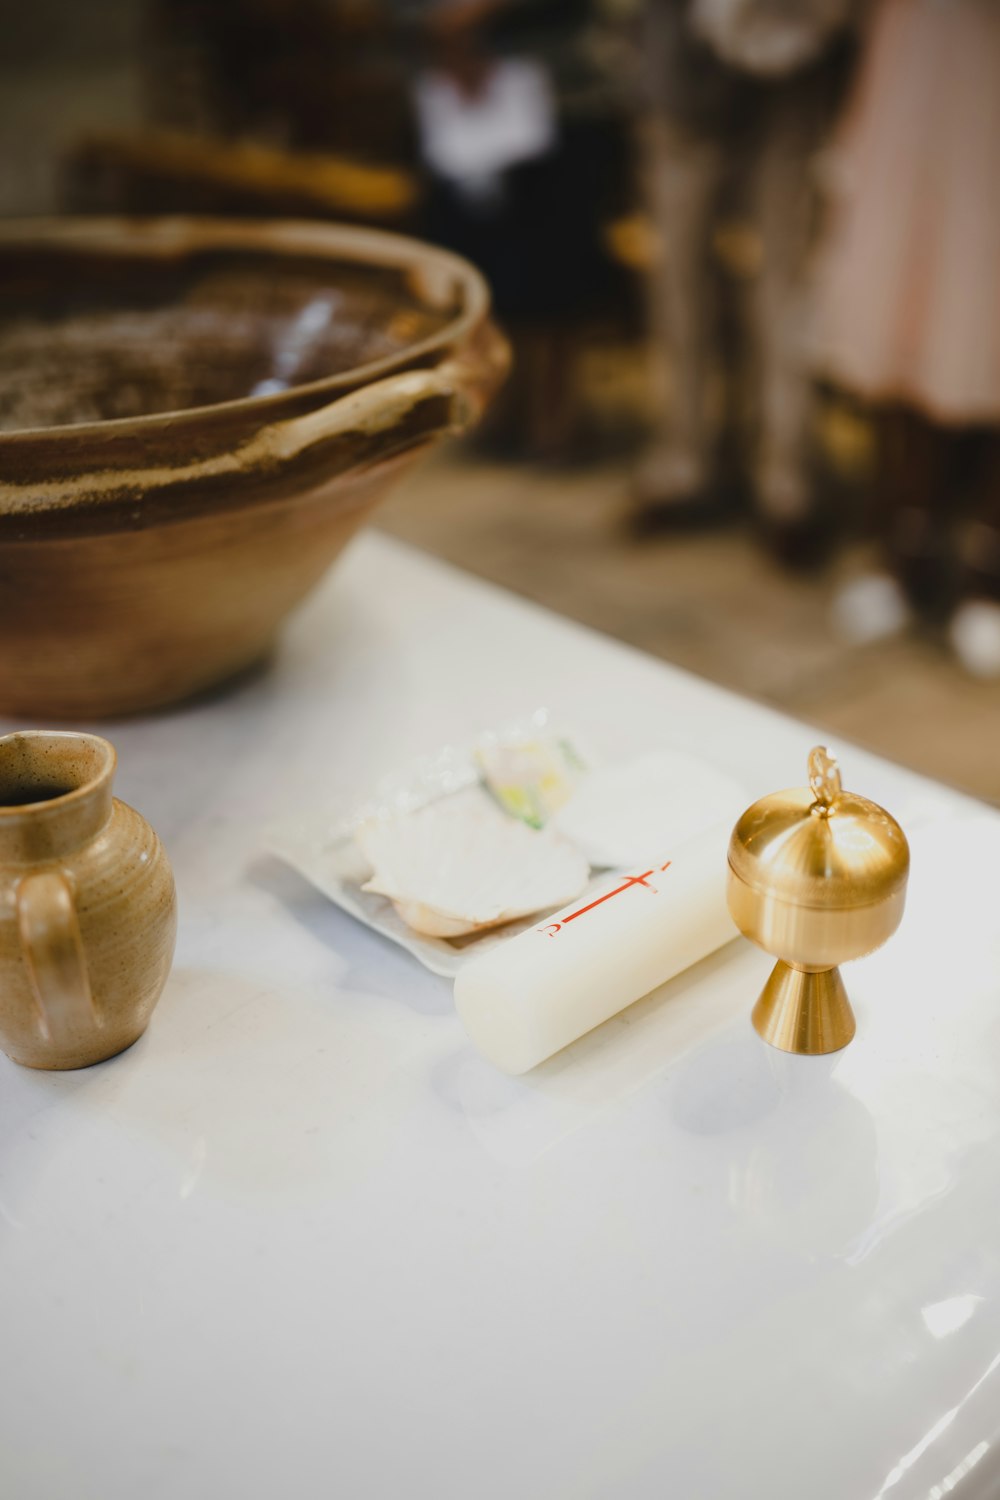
(908, 300)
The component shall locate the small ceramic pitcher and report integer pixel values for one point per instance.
(88, 913)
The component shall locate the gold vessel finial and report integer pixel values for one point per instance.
(817, 876)
(824, 776)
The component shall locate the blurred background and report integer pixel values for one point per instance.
(748, 256)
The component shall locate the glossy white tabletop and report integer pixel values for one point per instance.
(300, 1241)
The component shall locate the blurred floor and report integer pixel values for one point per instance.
(711, 603)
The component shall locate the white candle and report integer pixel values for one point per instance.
(536, 993)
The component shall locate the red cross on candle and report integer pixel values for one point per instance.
(630, 880)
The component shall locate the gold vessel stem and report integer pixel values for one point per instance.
(804, 1012)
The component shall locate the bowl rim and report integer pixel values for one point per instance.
(172, 236)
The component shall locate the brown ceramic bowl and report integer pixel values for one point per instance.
(195, 416)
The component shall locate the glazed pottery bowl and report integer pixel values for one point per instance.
(195, 416)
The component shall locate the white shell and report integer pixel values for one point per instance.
(460, 865)
(642, 809)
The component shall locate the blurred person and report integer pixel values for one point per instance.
(741, 95)
(478, 115)
(908, 314)
(506, 190)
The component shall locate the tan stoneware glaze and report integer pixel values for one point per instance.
(88, 913)
(195, 416)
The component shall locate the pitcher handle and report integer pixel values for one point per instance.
(50, 936)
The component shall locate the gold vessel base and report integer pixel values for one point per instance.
(804, 1012)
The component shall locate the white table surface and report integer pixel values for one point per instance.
(300, 1241)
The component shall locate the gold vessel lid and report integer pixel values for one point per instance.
(820, 846)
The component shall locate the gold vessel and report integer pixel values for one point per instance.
(817, 876)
